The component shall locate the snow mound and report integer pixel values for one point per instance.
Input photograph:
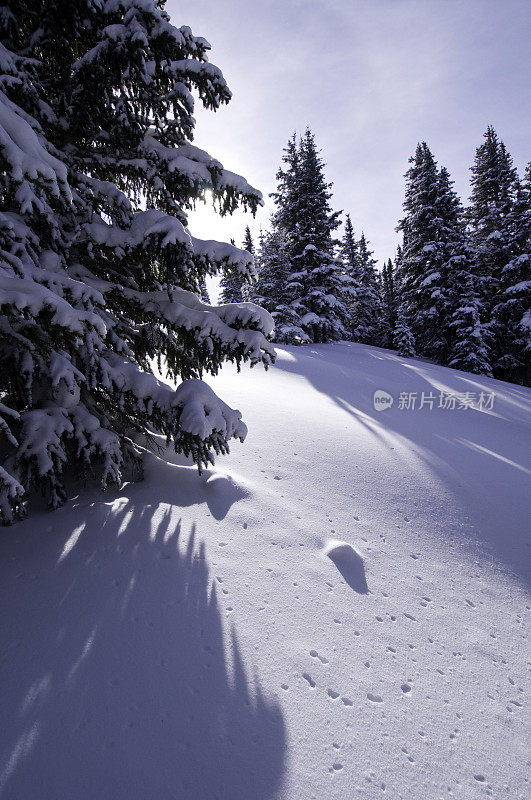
(349, 563)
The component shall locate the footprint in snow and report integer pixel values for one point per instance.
(315, 654)
(349, 563)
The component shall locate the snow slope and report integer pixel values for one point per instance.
(202, 637)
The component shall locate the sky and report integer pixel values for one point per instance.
(371, 78)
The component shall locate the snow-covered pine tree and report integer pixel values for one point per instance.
(438, 299)
(403, 339)
(231, 285)
(465, 333)
(285, 198)
(248, 243)
(203, 292)
(499, 219)
(510, 325)
(424, 297)
(389, 304)
(273, 289)
(494, 183)
(98, 271)
(366, 323)
(305, 215)
(279, 282)
(351, 271)
(469, 351)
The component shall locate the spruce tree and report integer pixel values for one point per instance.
(274, 290)
(315, 286)
(312, 250)
(499, 219)
(351, 271)
(494, 185)
(467, 348)
(203, 292)
(366, 324)
(302, 247)
(389, 304)
(403, 338)
(438, 297)
(248, 243)
(280, 283)
(231, 286)
(424, 297)
(98, 272)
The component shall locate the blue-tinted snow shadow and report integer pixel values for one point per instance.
(483, 458)
(350, 565)
(122, 677)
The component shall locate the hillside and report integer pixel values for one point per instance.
(202, 638)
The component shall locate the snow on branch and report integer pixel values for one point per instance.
(25, 155)
(34, 298)
(223, 254)
(199, 169)
(182, 309)
(171, 233)
(144, 224)
(203, 413)
(11, 493)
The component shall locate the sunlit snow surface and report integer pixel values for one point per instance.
(335, 611)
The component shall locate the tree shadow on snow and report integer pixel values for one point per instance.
(118, 680)
(482, 457)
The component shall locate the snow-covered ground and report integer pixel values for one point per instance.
(194, 638)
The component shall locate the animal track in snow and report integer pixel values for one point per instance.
(309, 679)
(322, 659)
(374, 698)
(406, 753)
(347, 701)
(332, 694)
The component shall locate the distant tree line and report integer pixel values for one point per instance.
(457, 292)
